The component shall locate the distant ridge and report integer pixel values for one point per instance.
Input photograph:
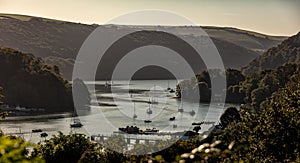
(58, 42)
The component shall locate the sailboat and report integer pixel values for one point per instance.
(168, 88)
(180, 109)
(192, 113)
(172, 119)
(147, 121)
(75, 124)
(107, 85)
(149, 112)
(134, 115)
(153, 101)
(172, 91)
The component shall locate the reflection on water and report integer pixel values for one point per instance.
(114, 113)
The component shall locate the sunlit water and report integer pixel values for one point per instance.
(106, 119)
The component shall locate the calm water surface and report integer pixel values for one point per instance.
(107, 118)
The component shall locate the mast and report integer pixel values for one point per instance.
(168, 88)
(134, 115)
(149, 112)
(154, 95)
(180, 109)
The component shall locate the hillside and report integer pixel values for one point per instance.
(233, 56)
(58, 42)
(247, 39)
(287, 51)
(28, 82)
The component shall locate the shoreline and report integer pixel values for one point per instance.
(37, 117)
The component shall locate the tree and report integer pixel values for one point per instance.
(272, 134)
(277, 138)
(234, 77)
(260, 86)
(204, 77)
(14, 149)
(2, 114)
(205, 92)
(56, 69)
(68, 148)
(230, 115)
(234, 94)
(22, 73)
(173, 152)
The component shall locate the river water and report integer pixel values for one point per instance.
(106, 118)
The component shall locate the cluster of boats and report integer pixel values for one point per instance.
(137, 130)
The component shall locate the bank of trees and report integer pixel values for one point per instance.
(252, 89)
(271, 134)
(22, 73)
(201, 83)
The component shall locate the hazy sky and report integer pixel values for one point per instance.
(275, 17)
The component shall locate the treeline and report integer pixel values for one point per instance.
(251, 89)
(188, 89)
(28, 82)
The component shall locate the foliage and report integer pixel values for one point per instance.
(173, 152)
(211, 152)
(230, 115)
(260, 86)
(272, 134)
(68, 148)
(116, 143)
(287, 51)
(25, 73)
(252, 89)
(2, 114)
(188, 89)
(13, 150)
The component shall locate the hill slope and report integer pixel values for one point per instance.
(287, 51)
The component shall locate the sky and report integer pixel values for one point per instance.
(273, 17)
